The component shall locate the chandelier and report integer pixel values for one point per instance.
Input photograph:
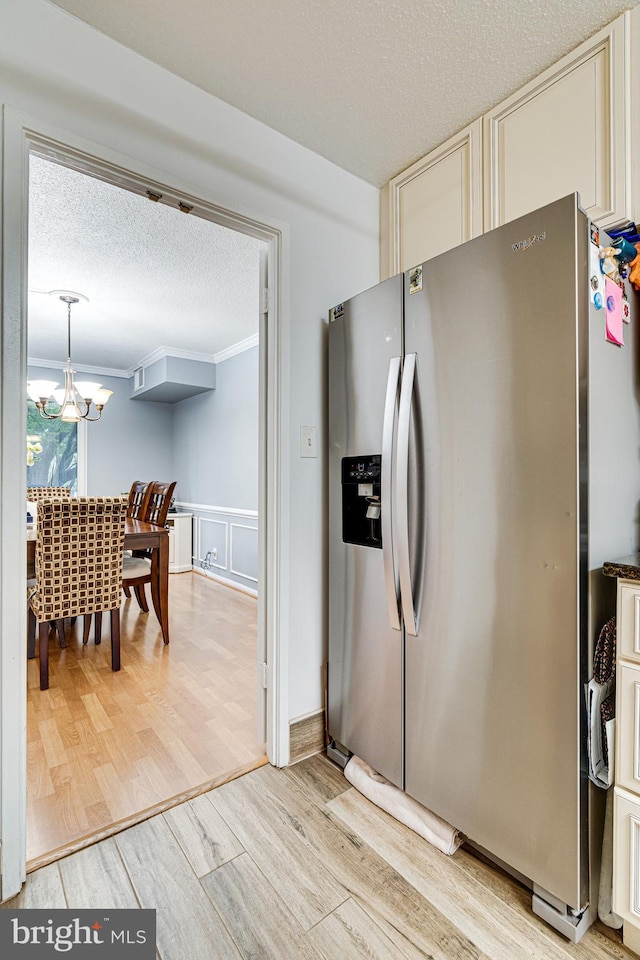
(76, 397)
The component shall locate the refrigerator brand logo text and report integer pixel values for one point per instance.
(529, 242)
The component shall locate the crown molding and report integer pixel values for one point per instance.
(162, 352)
(158, 354)
(79, 368)
(236, 348)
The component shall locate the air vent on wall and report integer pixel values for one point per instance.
(138, 378)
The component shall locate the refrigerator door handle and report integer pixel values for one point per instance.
(386, 480)
(402, 494)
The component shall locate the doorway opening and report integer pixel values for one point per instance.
(104, 749)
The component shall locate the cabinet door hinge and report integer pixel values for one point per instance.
(265, 300)
(264, 675)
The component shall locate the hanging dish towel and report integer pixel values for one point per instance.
(600, 697)
(601, 723)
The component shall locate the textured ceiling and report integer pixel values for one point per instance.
(370, 84)
(154, 277)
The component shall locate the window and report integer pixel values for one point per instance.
(52, 452)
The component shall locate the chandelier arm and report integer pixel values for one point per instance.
(87, 405)
(92, 419)
(43, 413)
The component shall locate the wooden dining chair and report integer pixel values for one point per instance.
(79, 549)
(158, 502)
(138, 499)
(136, 569)
(35, 494)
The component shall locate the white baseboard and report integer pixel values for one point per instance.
(227, 583)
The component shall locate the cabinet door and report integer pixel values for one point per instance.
(564, 132)
(436, 204)
(628, 620)
(626, 857)
(180, 545)
(628, 727)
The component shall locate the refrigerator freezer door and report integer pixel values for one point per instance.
(365, 650)
(493, 679)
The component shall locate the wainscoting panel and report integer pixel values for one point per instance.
(212, 537)
(244, 551)
(225, 544)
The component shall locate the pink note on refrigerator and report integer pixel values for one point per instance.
(613, 305)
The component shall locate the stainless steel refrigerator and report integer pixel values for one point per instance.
(483, 464)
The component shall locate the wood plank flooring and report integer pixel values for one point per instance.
(295, 864)
(105, 747)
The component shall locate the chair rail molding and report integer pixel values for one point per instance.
(208, 508)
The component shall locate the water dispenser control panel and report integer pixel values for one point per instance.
(361, 501)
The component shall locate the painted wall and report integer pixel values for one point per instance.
(131, 441)
(57, 69)
(215, 449)
(215, 438)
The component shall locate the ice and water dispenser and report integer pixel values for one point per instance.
(361, 501)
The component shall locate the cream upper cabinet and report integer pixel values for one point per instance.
(566, 131)
(434, 205)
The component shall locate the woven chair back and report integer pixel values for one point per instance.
(35, 494)
(79, 548)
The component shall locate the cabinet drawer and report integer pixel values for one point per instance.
(628, 621)
(626, 856)
(628, 727)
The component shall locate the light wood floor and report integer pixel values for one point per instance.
(104, 746)
(294, 864)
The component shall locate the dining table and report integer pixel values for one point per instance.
(138, 535)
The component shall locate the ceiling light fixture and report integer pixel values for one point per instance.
(75, 399)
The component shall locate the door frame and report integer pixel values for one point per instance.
(20, 136)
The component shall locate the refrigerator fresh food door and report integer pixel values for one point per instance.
(365, 640)
(494, 696)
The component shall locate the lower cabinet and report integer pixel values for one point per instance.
(627, 773)
(626, 807)
(180, 542)
(626, 859)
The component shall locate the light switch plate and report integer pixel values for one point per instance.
(308, 441)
